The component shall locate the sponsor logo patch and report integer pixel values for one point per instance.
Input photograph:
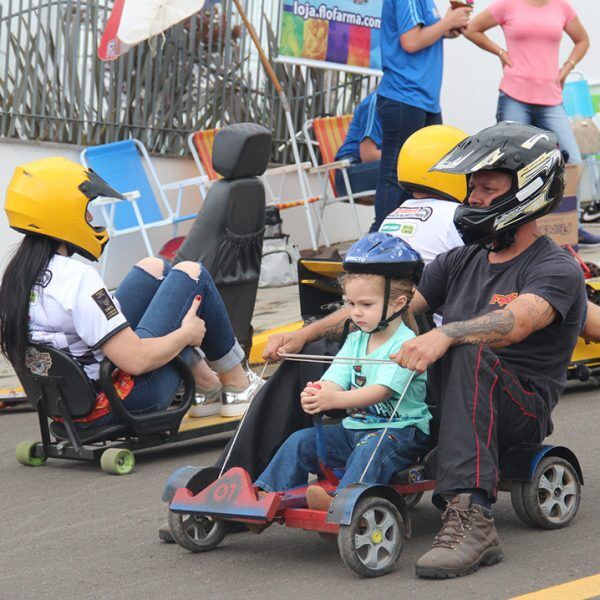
(503, 299)
(104, 301)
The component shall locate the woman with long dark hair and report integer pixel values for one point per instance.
(156, 313)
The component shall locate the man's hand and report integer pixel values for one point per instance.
(284, 343)
(456, 19)
(316, 398)
(420, 352)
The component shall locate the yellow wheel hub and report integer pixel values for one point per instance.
(377, 536)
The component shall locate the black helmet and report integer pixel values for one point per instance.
(530, 155)
(389, 256)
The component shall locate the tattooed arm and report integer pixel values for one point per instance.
(499, 328)
(292, 342)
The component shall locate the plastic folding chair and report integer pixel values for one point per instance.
(329, 134)
(201, 145)
(127, 167)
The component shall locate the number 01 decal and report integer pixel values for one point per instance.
(226, 491)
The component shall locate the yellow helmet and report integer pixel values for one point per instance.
(50, 197)
(421, 151)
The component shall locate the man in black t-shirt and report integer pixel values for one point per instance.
(514, 305)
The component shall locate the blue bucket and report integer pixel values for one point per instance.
(577, 99)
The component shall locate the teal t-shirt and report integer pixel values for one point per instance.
(412, 411)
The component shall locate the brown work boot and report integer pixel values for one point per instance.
(467, 540)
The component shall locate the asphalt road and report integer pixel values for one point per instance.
(69, 531)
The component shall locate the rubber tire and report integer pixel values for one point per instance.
(531, 500)
(411, 500)
(24, 454)
(347, 544)
(202, 544)
(117, 461)
(516, 498)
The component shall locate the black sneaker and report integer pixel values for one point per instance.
(591, 213)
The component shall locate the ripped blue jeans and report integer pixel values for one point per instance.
(155, 307)
(348, 449)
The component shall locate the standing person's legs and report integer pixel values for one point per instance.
(510, 109)
(275, 412)
(554, 119)
(398, 122)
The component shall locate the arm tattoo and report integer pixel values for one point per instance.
(540, 313)
(487, 329)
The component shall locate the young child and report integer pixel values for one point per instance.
(381, 271)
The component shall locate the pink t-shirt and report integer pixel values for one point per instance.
(533, 35)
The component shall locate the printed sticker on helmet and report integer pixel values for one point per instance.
(489, 161)
(544, 162)
(532, 205)
(448, 163)
(529, 189)
(532, 141)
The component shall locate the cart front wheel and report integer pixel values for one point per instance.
(371, 544)
(117, 461)
(196, 533)
(26, 454)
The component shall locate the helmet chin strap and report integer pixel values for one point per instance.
(505, 240)
(385, 320)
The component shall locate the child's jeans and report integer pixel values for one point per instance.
(154, 307)
(345, 448)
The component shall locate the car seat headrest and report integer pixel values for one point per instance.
(241, 150)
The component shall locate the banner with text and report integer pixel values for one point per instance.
(332, 34)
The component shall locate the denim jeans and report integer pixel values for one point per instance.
(398, 122)
(362, 176)
(155, 307)
(345, 448)
(551, 118)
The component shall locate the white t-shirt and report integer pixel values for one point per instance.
(71, 310)
(426, 224)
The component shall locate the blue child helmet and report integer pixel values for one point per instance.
(384, 254)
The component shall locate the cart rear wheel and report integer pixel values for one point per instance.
(196, 533)
(551, 499)
(371, 544)
(117, 461)
(25, 454)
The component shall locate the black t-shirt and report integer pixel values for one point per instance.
(468, 286)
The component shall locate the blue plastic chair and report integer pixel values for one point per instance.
(127, 167)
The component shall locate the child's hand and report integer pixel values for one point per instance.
(315, 399)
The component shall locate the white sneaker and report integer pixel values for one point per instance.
(206, 403)
(236, 402)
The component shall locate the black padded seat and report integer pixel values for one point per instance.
(91, 434)
(227, 235)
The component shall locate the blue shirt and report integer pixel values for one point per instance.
(412, 410)
(414, 79)
(365, 124)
